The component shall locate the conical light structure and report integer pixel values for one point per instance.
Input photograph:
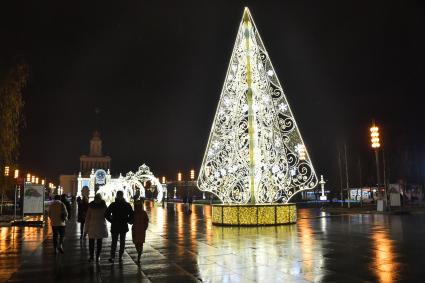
(255, 152)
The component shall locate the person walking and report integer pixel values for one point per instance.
(83, 206)
(190, 201)
(58, 216)
(95, 225)
(67, 205)
(140, 224)
(119, 214)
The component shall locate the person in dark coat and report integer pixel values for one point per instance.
(83, 206)
(119, 213)
(140, 224)
(67, 205)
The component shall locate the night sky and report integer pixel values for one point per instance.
(155, 70)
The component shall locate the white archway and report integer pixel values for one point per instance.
(130, 184)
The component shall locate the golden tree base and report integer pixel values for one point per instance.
(254, 214)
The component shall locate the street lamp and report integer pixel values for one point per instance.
(375, 143)
(322, 186)
(6, 171)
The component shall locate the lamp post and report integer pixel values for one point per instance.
(375, 143)
(6, 174)
(322, 185)
(16, 176)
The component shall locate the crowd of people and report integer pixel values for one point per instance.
(92, 217)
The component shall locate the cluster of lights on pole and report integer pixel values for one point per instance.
(180, 177)
(6, 171)
(374, 137)
(29, 178)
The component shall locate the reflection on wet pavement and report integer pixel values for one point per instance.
(185, 247)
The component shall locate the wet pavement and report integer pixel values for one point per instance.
(183, 247)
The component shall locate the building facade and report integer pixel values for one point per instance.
(92, 166)
(95, 159)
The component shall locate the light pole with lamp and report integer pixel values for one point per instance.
(16, 176)
(6, 175)
(322, 186)
(375, 143)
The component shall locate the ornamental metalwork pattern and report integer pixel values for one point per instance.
(280, 165)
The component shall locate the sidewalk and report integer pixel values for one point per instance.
(42, 264)
(371, 209)
(17, 244)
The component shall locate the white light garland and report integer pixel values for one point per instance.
(255, 151)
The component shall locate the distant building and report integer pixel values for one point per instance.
(95, 159)
(89, 164)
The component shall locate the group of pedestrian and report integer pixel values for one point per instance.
(92, 218)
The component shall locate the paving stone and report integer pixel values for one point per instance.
(183, 247)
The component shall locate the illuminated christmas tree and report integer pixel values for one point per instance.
(255, 152)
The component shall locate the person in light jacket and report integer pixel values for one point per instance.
(140, 224)
(58, 216)
(95, 225)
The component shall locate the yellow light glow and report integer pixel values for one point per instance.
(248, 215)
(28, 177)
(32, 179)
(43, 182)
(374, 129)
(374, 137)
(301, 151)
(254, 215)
(192, 174)
(16, 175)
(36, 180)
(163, 179)
(179, 177)
(6, 171)
(385, 256)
